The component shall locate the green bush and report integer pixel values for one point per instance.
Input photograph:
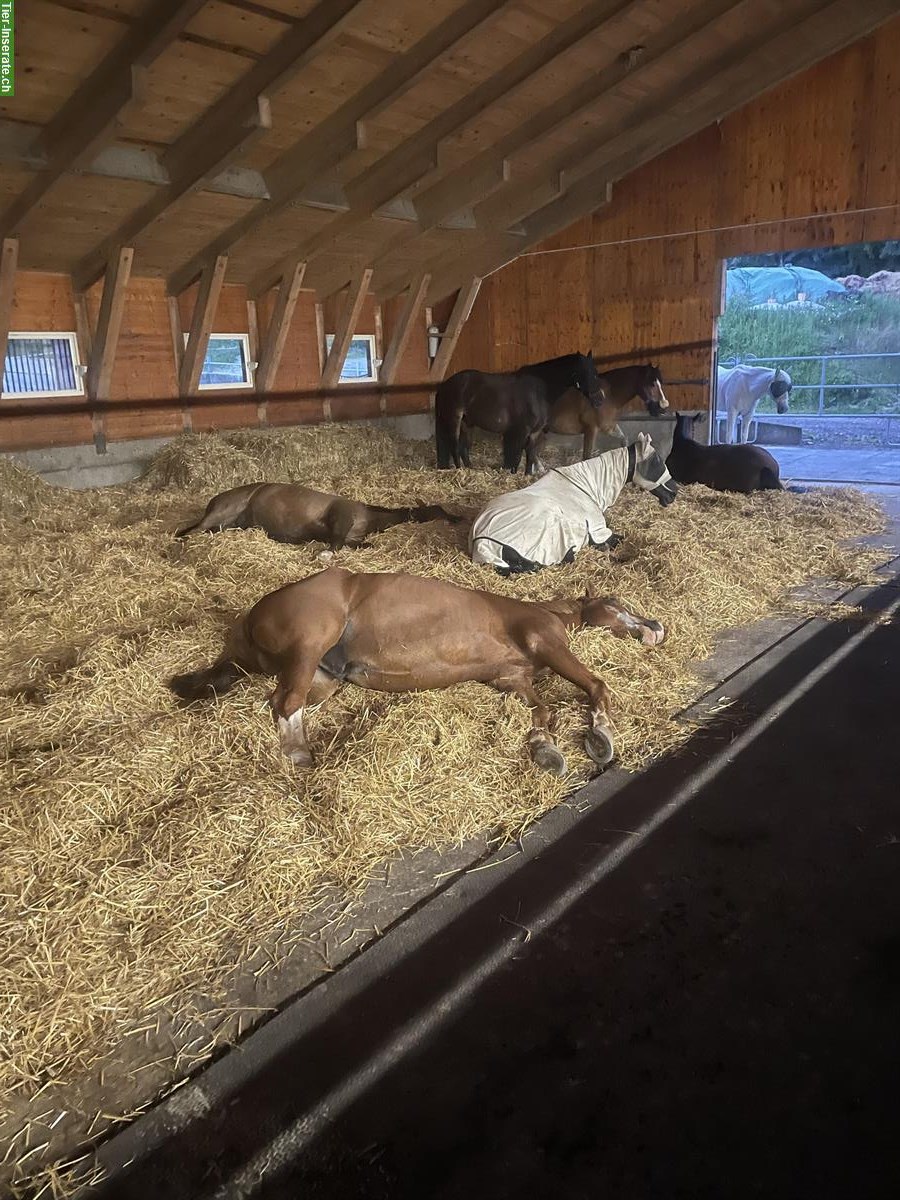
(852, 324)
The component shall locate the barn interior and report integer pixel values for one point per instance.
(221, 981)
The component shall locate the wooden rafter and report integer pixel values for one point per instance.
(279, 325)
(458, 317)
(798, 42)
(192, 174)
(109, 324)
(397, 171)
(415, 298)
(89, 118)
(9, 257)
(343, 132)
(343, 335)
(201, 326)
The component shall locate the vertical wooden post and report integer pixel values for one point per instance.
(343, 335)
(458, 317)
(177, 332)
(109, 324)
(279, 326)
(9, 259)
(201, 325)
(415, 297)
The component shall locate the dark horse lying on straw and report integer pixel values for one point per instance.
(571, 414)
(516, 404)
(399, 633)
(724, 468)
(288, 512)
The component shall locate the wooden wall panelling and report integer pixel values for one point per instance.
(279, 326)
(403, 327)
(459, 314)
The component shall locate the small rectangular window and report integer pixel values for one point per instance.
(360, 364)
(42, 364)
(227, 362)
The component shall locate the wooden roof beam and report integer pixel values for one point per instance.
(279, 326)
(109, 324)
(343, 132)
(346, 327)
(418, 155)
(190, 176)
(201, 326)
(90, 116)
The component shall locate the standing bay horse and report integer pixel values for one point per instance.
(289, 512)
(572, 415)
(739, 391)
(515, 404)
(723, 468)
(549, 521)
(400, 633)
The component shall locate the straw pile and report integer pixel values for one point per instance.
(144, 849)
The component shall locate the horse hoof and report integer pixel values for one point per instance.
(546, 756)
(653, 633)
(599, 746)
(302, 759)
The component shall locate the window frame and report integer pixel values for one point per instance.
(373, 356)
(227, 387)
(78, 368)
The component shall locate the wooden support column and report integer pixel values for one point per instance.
(9, 258)
(109, 324)
(415, 298)
(458, 317)
(279, 326)
(201, 326)
(356, 294)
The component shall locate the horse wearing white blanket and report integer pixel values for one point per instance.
(549, 521)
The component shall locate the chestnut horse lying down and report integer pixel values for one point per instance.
(288, 512)
(400, 633)
(549, 521)
(724, 468)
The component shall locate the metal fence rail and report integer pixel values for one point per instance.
(823, 386)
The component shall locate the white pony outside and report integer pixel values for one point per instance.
(740, 390)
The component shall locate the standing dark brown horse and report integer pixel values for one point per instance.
(401, 633)
(572, 415)
(289, 512)
(516, 404)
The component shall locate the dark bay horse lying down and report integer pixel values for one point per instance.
(399, 633)
(288, 512)
(724, 468)
(550, 521)
(516, 405)
(572, 415)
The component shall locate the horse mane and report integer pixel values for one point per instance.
(548, 363)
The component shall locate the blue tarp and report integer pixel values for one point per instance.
(757, 285)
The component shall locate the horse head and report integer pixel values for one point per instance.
(780, 390)
(650, 472)
(650, 390)
(587, 381)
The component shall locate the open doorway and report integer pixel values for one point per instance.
(816, 335)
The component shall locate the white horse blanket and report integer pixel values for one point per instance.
(550, 521)
(739, 391)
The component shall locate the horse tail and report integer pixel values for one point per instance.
(432, 512)
(203, 685)
(446, 426)
(769, 480)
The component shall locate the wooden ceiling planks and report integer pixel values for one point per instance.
(591, 110)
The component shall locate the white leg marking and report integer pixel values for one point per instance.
(293, 737)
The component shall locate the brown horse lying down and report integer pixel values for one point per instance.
(725, 468)
(400, 633)
(288, 512)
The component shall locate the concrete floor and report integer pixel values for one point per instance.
(810, 463)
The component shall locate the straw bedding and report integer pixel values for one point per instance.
(145, 850)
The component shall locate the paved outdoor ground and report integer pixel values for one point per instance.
(810, 463)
